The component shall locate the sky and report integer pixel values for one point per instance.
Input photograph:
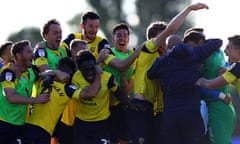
(221, 20)
(17, 14)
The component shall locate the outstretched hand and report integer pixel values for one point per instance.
(198, 6)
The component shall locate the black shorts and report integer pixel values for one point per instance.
(118, 126)
(35, 134)
(9, 133)
(140, 123)
(63, 133)
(90, 132)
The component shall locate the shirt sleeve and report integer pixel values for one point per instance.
(235, 70)
(70, 90)
(109, 58)
(211, 94)
(103, 44)
(40, 57)
(149, 45)
(232, 74)
(66, 42)
(7, 78)
(229, 77)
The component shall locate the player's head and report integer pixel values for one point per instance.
(194, 38)
(52, 33)
(90, 25)
(201, 30)
(232, 49)
(155, 28)
(5, 51)
(172, 40)
(67, 65)
(22, 52)
(120, 36)
(77, 45)
(87, 65)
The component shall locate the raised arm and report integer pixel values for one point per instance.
(175, 23)
(123, 65)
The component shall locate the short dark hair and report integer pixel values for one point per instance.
(89, 15)
(74, 43)
(235, 39)
(83, 56)
(193, 36)
(66, 64)
(155, 28)
(19, 46)
(121, 26)
(193, 29)
(46, 26)
(4, 46)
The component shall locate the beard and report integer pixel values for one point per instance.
(27, 63)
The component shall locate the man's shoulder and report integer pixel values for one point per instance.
(181, 50)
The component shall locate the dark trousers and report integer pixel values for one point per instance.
(183, 126)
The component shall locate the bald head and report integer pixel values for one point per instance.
(173, 40)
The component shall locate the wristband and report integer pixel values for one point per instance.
(221, 96)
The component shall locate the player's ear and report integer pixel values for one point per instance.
(81, 25)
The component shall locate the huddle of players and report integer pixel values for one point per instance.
(71, 98)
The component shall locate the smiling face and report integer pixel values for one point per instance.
(121, 39)
(23, 53)
(90, 29)
(232, 52)
(54, 36)
(25, 57)
(88, 70)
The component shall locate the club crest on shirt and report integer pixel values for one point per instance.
(92, 49)
(41, 52)
(106, 46)
(8, 76)
(73, 87)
